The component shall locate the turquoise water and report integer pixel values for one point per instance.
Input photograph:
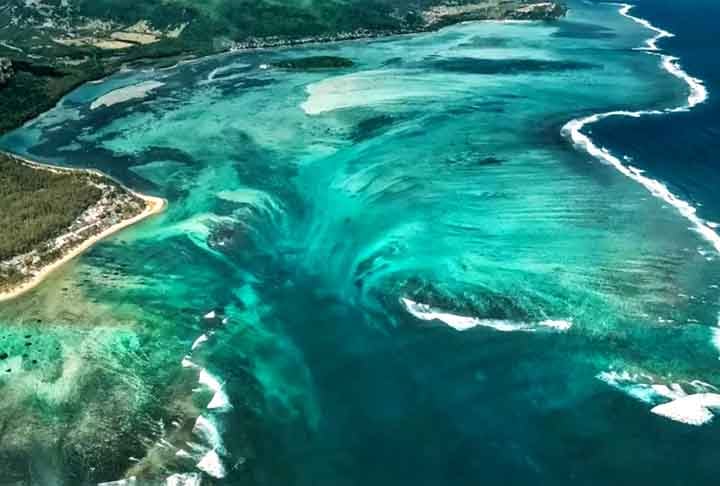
(400, 273)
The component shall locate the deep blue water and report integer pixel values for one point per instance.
(682, 150)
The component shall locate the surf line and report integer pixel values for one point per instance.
(210, 460)
(698, 94)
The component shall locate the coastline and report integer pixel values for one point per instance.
(571, 130)
(153, 205)
(173, 59)
(156, 205)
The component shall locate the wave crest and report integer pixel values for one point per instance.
(698, 94)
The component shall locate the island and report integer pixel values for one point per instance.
(51, 214)
(315, 62)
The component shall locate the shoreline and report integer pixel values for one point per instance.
(273, 43)
(153, 205)
(156, 205)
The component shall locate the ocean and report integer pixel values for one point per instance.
(680, 150)
(482, 255)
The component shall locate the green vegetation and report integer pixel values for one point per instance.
(49, 47)
(242, 19)
(38, 205)
(27, 95)
(315, 62)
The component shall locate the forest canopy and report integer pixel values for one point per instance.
(38, 205)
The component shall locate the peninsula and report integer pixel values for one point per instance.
(50, 215)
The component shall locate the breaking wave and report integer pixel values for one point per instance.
(463, 323)
(671, 401)
(698, 94)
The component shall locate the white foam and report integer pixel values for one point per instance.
(651, 43)
(186, 363)
(187, 479)
(698, 91)
(628, 383)
(698, 94)
(220, 399)
(199, 341)
(656, 188)
(128, 93)
(206, 429)
(716, 338)
(207, 379)
(667, 392)
(693, 409)
(677, 390)
(196, 448)
(425, 312)
(218, 70)
(559, 325)
(690, 409)
(212, 465)
(123, 482)
(702, 385)
(463, 323)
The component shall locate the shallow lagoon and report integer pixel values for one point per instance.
(304, 207)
